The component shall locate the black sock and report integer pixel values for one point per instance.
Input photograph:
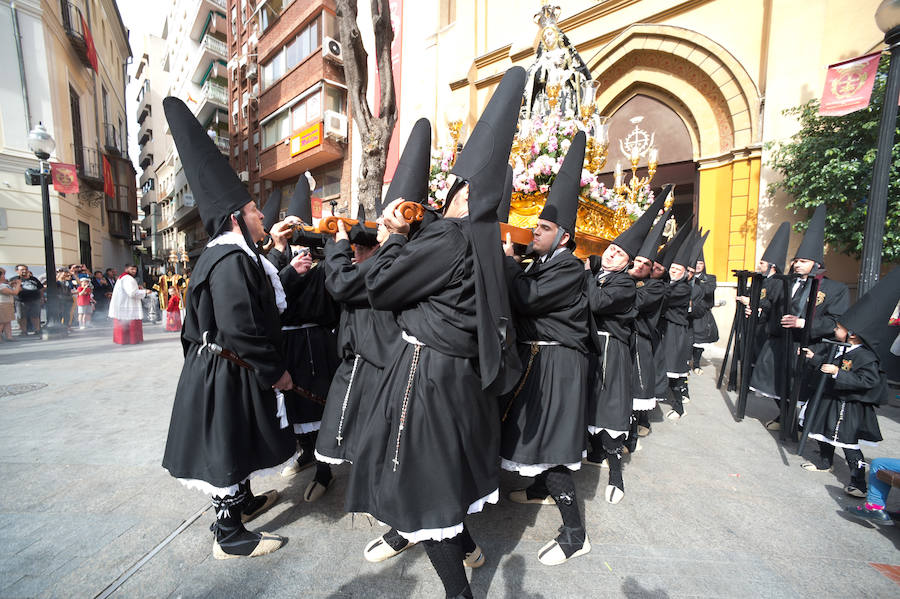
(643, 418)
(826, 455)
(466, 540)
(447, 558)
(595, 449)
(562, 488)
(695, 354)
(393, 538)
(323, 473)
(631, 439)
(613, 449)
(675, 386)
(857, 466)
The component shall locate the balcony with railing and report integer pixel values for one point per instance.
(223, 142)
(213, 97)
(89, 165)
(209, 17)
(212, 49)
(76, 30)
(114, 141)
(145, 133)
(146, 158)
(117, 209)
(143, 101)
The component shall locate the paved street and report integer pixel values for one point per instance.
(713, 508)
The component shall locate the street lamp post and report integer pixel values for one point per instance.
(41, 143)
(888, 19)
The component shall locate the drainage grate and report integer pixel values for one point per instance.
(20, 388)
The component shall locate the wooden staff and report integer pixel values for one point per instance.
(413, 212)
(329, 224)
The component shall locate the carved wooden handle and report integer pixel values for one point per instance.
(329, 224)
(516, 234)
(412, 212)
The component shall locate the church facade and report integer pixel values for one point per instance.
(709, 77)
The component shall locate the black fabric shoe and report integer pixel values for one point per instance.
(861, 512)
(231, 538)
(259, 504)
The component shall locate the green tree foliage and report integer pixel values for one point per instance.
(830, 160)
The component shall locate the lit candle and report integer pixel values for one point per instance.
(635, 155)
(618, 174)
(654, 156)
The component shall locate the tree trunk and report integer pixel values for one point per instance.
(375, 131)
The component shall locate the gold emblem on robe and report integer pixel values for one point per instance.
(846, 365)
(820, 297)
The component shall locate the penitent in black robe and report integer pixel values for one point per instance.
(367, 341)
(846, 414)
(832, 300)
(224, 426)
(611, 298)
(428, 454)
(544, 417)
(674, 349)
(649, 296)
(309, 341)
(704, 322)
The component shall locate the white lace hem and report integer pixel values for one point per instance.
(210, 489)
(642, 405)
(535, 469)
(439, 534)
(596, 430)
(329, 460)
(307, 427)
(676, 375)
(856, 445)
(763, 393)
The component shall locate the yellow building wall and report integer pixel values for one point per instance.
(728, 205)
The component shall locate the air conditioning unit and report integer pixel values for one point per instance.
(244, 176)
(254, 92)
(331, 49)
(335, 125)
(251, 70)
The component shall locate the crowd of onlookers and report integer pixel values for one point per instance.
(79, 296)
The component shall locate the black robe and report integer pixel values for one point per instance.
(704, 323)
(428, 454)
(611, 297)
(544, 417)
(846, 414)
(309, 340)
(366, 340)
(674, 350)
(832, 300)
(649, 297)
(224, 426)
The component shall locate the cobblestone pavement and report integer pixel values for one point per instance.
(713, 508)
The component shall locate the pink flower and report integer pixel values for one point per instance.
(544, 188)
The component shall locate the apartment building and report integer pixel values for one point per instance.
(287, 99)
(187, 60)
(64, 63)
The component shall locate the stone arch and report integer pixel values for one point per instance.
(701, 80)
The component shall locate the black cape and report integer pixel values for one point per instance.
(224, 426)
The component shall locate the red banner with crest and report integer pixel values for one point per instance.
(65, 177)
(109, 183)
(91, 49)
(848, 85)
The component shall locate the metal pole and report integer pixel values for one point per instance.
(876, 209)
(53, 328)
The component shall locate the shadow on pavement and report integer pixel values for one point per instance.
(632, 589)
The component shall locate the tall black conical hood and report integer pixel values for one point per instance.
(216, 188)
(813, 245)
(631, 239)
(506, 197)
(686, 249)
(486, 153)
(301, 201)
(562, 201)
(868, 317)
(698, 249)
(361, 234)
(410, 180)
(481, 162)
(776, 251)
(272, 209)
(650, 247)
(667, 254)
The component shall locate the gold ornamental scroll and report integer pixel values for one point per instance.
(595, 224)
